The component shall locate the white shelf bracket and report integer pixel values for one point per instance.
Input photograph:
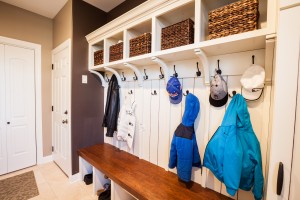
(164, 67)
(203, 58)
(116, 74)
(103, 82)
(137, 72)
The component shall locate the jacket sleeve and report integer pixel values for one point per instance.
(196, 155)
(104, 122)
(233, 159)
(173, 153)
(258, 177)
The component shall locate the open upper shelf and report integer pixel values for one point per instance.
(154, 15)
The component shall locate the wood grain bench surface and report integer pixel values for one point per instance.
(142, 179)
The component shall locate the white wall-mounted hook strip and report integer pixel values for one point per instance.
(116, 74)
(137, 72)
(163, 66)
(203, 58)
(103, 82)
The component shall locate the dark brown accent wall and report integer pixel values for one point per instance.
(123, 8)
(87, 99)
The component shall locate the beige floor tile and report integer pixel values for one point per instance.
(53, 184)
(45, 192)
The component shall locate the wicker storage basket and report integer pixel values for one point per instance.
(238, 17)
(116, 52)
(140, 45)
(98, 57)
(178, 34)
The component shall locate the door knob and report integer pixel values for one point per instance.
(65, 121)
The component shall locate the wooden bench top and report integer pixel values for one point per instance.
(142, 179)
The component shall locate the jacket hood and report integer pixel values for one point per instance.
(192, 108)
(238, 113)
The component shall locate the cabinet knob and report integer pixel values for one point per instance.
(66, 112)
(280, 178)
(8, 122)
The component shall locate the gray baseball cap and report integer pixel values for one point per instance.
(218, 91)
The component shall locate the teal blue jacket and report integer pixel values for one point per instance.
(233, 153)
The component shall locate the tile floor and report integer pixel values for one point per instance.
(53, 184)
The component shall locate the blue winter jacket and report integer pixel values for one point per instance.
(184, 152)
(233, 153)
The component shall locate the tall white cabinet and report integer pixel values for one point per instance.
(286, 119)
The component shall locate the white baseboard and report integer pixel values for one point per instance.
(74, 178)
(45, 159)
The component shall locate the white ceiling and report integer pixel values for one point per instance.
(49, 8)
(105, 5)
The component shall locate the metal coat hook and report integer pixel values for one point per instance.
(253, 57)
(123, 78)
(146, 76)
(135, 77)
(175, 73)
(187, 92)
(107, 79)
(198, 73)
(218, 70)
(154, 92)
(130, 92)
(161, 76)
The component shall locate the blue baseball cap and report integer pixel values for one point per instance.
(174, 89)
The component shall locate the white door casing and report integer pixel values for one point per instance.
(3, 152)
(61, 115)
(20, 107)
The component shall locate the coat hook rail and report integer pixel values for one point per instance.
(154, 92)
(175, 73)
(186, 93)
(146, 76)
(123, 78)
(107, 79)
(161, 76)
(198, 72)
(219, 71)
(135, 77)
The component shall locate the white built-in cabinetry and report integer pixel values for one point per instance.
(156, 117)
(285, 128)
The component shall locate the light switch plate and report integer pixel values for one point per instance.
(84, 79)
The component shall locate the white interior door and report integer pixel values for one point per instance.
(61, 104)
(3, 152)
(20, 107)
